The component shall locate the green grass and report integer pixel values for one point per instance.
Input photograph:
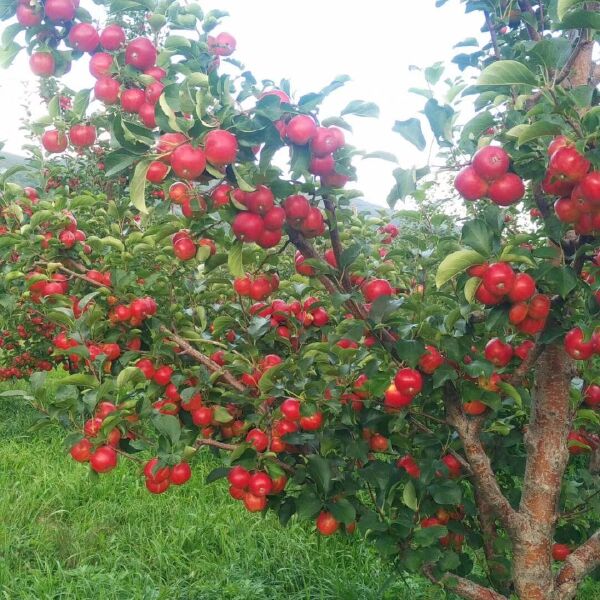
(63, 536)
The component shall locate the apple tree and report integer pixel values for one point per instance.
(427, 381)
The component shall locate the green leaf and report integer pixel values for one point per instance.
(137, 188)
(429, 535)
(320, 471)
(477, 235)
(343, 511)
(410, 351)
(360, 108)
(411, 131)
(434, 72)
(129, 374)
(221, 415)
(234, 259)
(580, 19)
(167, 425)
(447, 492)
(562, 280)
(440, 120)
(456, 263)
(409, 496)
(8, 54)
(563, 7)
(241, 182)
(471, 288)
(81, 102)
(382, 156)
(218, 473)
(406, 184)
(507, 72)
(81, 380)
(536, 130)
(174, 42)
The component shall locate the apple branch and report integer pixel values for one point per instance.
(483, 476)
(463, 587)
(525, 367)
(493, 36)
(534, 34)
(577, 565)
(231, 447)
(203, 359)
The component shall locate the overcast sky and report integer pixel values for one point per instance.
(311, 42)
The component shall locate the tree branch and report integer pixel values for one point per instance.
(577, 565)
(204, 360)
(493, 36)
(525, 367)
(525, 6)
(463, 587)
(483, 476)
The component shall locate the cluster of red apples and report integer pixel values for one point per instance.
(258, 288)
(500, 283)
(252, 488)
(488, 176)
(569, 177)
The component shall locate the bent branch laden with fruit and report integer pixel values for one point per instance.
(427, 381)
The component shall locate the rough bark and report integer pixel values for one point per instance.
(464, 587)
(547, 456)
(578, 564)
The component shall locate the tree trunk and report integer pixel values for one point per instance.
(547, 456)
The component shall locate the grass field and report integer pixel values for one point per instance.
(65, 537)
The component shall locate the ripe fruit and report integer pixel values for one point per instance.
(156, 474)
(576, 346)
(408, 381)
(260, 484)
(258, 439)
(560, 551)
(325, 141)
(290, 409)
(453, 465)
(470, 185)
(254, 503)
(222, 45)
(260, 201)
(157, 171)
(523, 288)
(82, 136)
(498, 352)
(104, 459)
(394, 399)
(84, 37)
(376, 288)
(184, 248)
(474, 408)
(498, 279)
(188, 162)
(568, 164)
(301, 129)
(54, 141)
(140, 53)
(107, 90)
(60, 10)
(507, 190)
(28, 16)
(408, 463)
(518, 313)
(539, 307)
(326, 523)
(202, 416)
(566, 210)
(238, 477)
(378, 443)
(132, 99)
(591, 395)
(431, 360)
(590, 187)
(112, 37)
(42, 64)
(82, 450)
(312, 423)
(100, 65)
(181, 473)
(491, 162)
(296, 209)
(578, 443)
(162, 375)
(247, 226)
(220, 147)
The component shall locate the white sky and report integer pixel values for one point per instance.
(311, 42)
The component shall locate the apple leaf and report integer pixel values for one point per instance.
(456, 263)
(507, 72)
(411, 131)
(137, 188)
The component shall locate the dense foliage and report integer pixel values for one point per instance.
(192, 258)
